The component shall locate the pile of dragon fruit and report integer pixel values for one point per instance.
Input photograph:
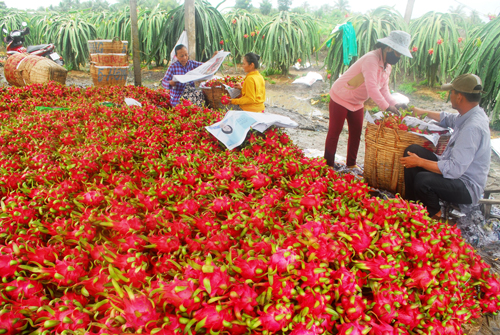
(118, 219)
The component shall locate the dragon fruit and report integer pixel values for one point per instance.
(275, 318)
(11, 322)
(214, 318)
(354, 307)
(282, 259)
(353, 328)
(139, 312)
(243, 298)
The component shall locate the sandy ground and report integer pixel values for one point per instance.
(304, 105)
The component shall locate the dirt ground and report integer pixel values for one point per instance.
(308, 106)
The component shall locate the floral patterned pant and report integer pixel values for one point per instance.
(195, 96)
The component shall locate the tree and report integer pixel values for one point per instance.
(459, 10)
(284, 5)
(342, 5)
(3, 5)
(243, 4)
(265, 7)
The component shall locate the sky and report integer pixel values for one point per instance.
(421, 7)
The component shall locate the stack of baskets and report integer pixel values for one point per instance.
(384, 147)
(108, 62)
(25, 69)
(213, 96)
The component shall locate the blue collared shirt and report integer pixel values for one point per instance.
(175, 69)
(468, 153)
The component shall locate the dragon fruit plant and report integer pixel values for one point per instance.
(118, 219)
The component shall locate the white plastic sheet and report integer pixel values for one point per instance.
(183, 39)
(233, 128)
(309, 79)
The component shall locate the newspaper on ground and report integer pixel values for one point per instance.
(233, 128)
(411, 121)
(204, 71)
(309, 79)
(183, 39)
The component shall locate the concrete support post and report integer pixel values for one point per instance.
(136, 52)
(190, 27)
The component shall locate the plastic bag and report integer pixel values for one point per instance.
(182, 40)
(309, 79)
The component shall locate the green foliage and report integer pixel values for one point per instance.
(265, 7)
(211, 28)
(12, 20)
(432, 59)
(284, 5)
(342, 6)
(70, 34)
(423, 82)
(243, 4)
(481, 56)
(407, 88)
(242, 23)
(270, 72)
(443, 94)
(374, 25)
(286, 38)
(151, 25)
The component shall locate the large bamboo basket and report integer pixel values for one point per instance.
(383, 149)
(11, 69)
(109, 59)
(25, 69)
(214, 95)
(39, 70)
(109, 75)
(114, 46)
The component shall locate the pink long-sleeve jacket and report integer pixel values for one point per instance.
(366, 78)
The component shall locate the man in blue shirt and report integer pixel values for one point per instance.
(459, 175)
(180, 67)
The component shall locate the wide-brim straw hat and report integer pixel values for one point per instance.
(399, 41)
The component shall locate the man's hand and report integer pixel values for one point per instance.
(237, 86)
(172, 83)
(401, 106)
(411, 161)
(393, 110)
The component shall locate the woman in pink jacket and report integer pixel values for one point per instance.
(367, 78)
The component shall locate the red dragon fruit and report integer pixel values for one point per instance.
(352, 328)
(11, 322)
(139, 312)
(275, 317)
(354, 307)
(214, 318)
(282, 259)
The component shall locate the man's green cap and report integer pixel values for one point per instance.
(465, 83)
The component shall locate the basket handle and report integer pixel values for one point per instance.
(398, 139)
(115, 39)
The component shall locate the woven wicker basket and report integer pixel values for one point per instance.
(109, 59)
(24, 69)
(39, 70)
(213, 96)
(114, 46)
(109, 75)
(383, 149)
(13, 74)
